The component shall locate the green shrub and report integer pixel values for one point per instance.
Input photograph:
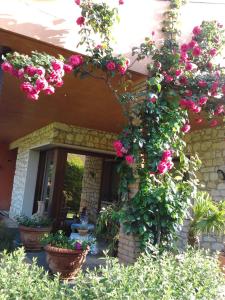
(191, 276)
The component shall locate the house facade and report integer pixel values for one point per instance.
(84, 118)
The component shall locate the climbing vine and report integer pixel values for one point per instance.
(185, 85)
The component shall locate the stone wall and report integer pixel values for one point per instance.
(209, 144)
(91, 185)
(55, 134)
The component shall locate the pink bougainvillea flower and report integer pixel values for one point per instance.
(167, 154)
(122, 69)
(214, 123)
(202, 100)
(178, 72)
(77, 2)
(59, 83)
(186, 128)
(183, 103)
(26, 87)
(40, 71)
(192, 44)
(197, 109)
(213, 52)
(67, 68)
(80, 21)
(57, 65)
(202, 83)
(119, 153)
(76, 60)
(168, 78)
(20, 73)
(121, 2)
(110, 65)
(189, 66)
(129, 159)
(49, 90)
(6, 67)
(117, 145)
(183, 57)
(31, 70)
(197, 30)
(219, 110)
(183, 80)
(41, 84)
(196, 51)
(152, 99)
(162, 167)
(198, 120)
(169, 164)
(124, 150)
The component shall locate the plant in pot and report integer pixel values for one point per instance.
(208, 217)
(32, 229)
(63, 255)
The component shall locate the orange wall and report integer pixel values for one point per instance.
(7, 169)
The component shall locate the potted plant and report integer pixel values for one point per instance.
(208, 217)
(32, 229)
(63, 255)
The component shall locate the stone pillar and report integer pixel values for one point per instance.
(91, 185)
(129, 245)
(24, 183)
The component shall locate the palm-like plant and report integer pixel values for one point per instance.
(208, 217)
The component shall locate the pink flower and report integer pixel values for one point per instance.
(121, 2)
(119, 153)
(124, 150)
(59, 83)
(122, 69)
(196, 51)
(202, 100)
(78, 246)
(31, 70)
(168, 78)
(157, 65)
(219, 110)
(129, 159)
(152, 99)
(197, 30)
(183, 56)
(199, 120)
(40, 71)
(223, 89)
(214, 123)
(67, 68)
(167, 154)
(178, 72)
(6, 67)
(183, 80)
(184, 48)
(111, 65)
(20, 73)
(76, 60)
(202, 83)
(49, 90)
(33, 96)
(192, 44)
(186, 128)
(162, 167)
(169, 164)
(127, 62)
(188, 66)
(197, 109)
(26, 87)
(80, 21)
(184, 103)
(41, 84)
(77, 2)
(57, 65)
(117, 145)
(212, 52)
(209, 65)
(188, 93)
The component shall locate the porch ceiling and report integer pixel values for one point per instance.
(85, 103)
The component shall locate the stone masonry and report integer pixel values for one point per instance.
(209, 144)
(91, 185)
(55, 134)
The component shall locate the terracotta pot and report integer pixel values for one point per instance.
(30, 236)
(65, 261)
(221, 258)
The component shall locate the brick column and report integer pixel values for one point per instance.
(129, 246)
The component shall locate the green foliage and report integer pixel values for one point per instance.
(60, 240)
(6, 238)
(108, 226)
(33, 221)
(192, 275)
(73, 182)
(208, 217)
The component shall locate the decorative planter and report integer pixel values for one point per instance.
(82, 231)
(30, 236)
(221, 258)
(65, 261)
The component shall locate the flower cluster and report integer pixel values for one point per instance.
(119, 64)
(166, 163)
(121, 151)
